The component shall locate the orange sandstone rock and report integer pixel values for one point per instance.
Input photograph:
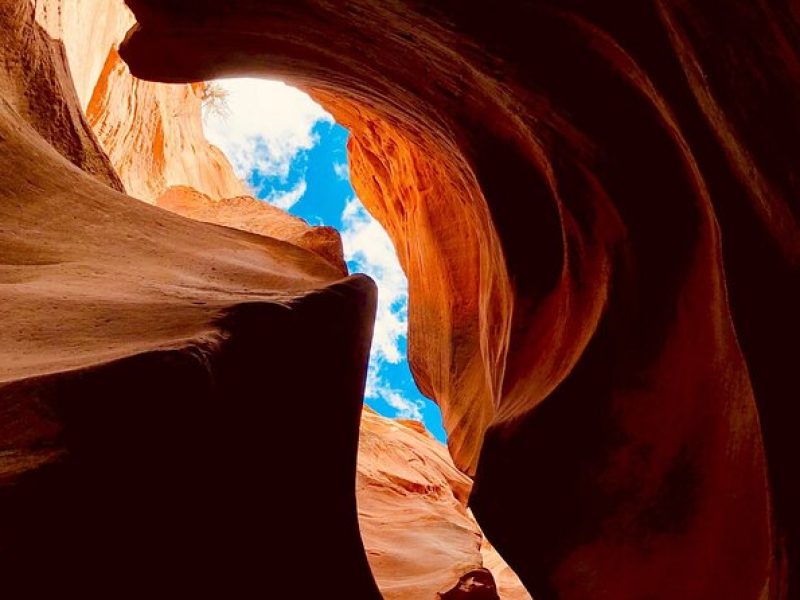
(153, 133)
(131, 342)
(89, 31)
(602, 242)
(248, 214)
(508, 584)
(140, 448)
(37, 89)
(420, 538)
(596, 207)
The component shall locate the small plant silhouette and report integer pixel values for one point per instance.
(215, 101)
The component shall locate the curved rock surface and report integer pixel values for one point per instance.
(153, 133)
(148, 366)
(420, 538)
(133, 345)
(596, 205)
(248, 214)
(37, 87)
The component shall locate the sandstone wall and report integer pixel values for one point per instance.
(421, 539)
(596, 207)
(132, 346)
(256, 216)
(136, 453)
(153, 133)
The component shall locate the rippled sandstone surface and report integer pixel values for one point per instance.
(146, 367)
(127, 368)
(596, 206)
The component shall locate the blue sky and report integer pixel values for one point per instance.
(294, 156)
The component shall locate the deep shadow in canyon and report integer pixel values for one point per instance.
(596, 206)
(169, 479)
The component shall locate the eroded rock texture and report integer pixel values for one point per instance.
(248, 214)
(116, 398)
(596, 205)
(149, 365)
(421, 539)
(152, 133)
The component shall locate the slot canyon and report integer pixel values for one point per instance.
(596, 205)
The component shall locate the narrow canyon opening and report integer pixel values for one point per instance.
(291, 154)
(595, 207)
(291, 159)
(249, 365)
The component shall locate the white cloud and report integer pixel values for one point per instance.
(367, 245)
(368, 248)
(379, 387)
(287, 200)
(266, 125)
(342, 170)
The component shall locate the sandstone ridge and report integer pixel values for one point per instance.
(132, 344)
(596, 207)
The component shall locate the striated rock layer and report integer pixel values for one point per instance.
(596, 205)
(142, 358)
(149, 365)
(420, 538)
(37, 88)
(248, 214)
(153, 133)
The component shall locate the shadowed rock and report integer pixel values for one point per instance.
(149, 365)
(596, 208)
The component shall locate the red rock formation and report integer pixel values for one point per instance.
(153, 133)
(126, 368)
(149, 365)
(405, 478)
(37, 88)
(248, 214)
(420, 538)
(89, 31)
(596, 207)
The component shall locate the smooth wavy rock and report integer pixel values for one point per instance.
(596, 206)
(256, 216)
(421, 539)
(149, 365)
(152, 133)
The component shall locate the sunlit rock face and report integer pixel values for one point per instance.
(128, 360)
(143, 356)
(152, 133)
(248, 214)
(37, 88)
(420, 538)
(596, 207)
